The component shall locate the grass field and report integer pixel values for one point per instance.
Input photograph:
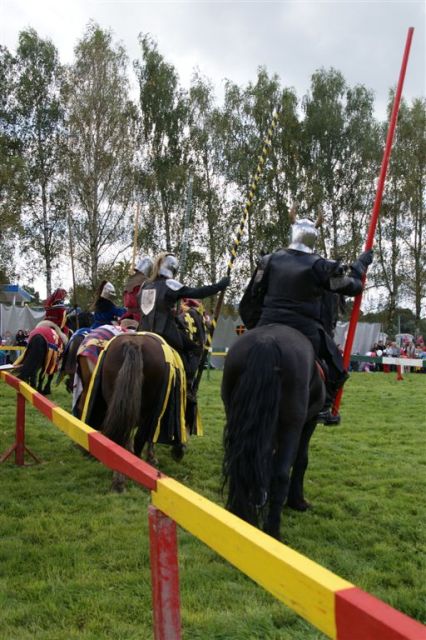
(74, 560)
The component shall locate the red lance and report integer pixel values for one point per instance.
(376, 208)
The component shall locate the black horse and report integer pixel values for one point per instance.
(272, 390)
(43, 354)
(81, 328)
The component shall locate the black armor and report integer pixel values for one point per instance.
(161, 318)
(294, 289)
(291, 286)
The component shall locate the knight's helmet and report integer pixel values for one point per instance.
(169, 266)
(108, 291)
(144, 265)
(304, 232)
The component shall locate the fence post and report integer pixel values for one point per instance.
(164, 575)
(20, 430)
(19, 445)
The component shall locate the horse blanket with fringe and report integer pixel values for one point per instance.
(95, 341)
(169, 425)
(92, 345)
(55, 347)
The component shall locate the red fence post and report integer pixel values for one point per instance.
(164, 575)
(19, 445)
(20, 430)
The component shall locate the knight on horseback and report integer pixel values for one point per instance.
(159, 296)
(290, 287)
(55, 309)
(46, 344)
(105, 310)
(142, 271)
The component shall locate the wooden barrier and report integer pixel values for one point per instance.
(333, 605)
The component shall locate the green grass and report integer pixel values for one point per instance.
(74, 558)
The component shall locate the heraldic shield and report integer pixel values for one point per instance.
(148, 300)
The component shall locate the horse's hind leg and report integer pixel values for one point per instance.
(280, 481)
(40, 381)
(296, 499)
(47, 388)
(119, 480)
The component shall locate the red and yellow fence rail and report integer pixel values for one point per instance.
(333, 605)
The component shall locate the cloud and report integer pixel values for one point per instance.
(364, 40)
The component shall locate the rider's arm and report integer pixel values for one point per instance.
(177, 291)
(332, 276)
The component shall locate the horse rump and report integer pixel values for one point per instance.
(272, 391)
(122, 380)
(33, 360)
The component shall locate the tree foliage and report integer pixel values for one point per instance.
(80, 151)
(40, 115)
(101, 123)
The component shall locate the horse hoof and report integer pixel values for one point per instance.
(117, 487)
(178, 451)
(273, 532)
(299, 505)
(153, 461)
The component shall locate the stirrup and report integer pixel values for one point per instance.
(326, 417)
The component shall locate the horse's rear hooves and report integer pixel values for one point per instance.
(118, 488)
(153, 461)
(273, 532)
(299, 505)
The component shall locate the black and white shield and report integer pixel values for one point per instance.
(148, 300)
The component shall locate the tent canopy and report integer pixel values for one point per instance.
(13, 293)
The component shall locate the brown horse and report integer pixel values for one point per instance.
(138, 388)
(272, 390)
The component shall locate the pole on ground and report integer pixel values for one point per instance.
(19, 445)
(164, 575)
(376, 208)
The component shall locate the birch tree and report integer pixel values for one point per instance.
(102, 123)
(40, 125)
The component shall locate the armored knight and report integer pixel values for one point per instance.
(132, 287)
(105, 310)
(290, 287)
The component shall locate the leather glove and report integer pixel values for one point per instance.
(223, 283)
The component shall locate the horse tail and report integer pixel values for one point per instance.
(124, 407)
(252, 416)
(34, 359)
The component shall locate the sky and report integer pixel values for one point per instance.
(230, 40)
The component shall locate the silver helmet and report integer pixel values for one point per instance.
(108, 291)
(169, 266)
(304, 234)
(144, 265)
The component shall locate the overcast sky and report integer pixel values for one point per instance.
(363, 39)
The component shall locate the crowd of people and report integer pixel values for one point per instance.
(413, 349)
(8, 340)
